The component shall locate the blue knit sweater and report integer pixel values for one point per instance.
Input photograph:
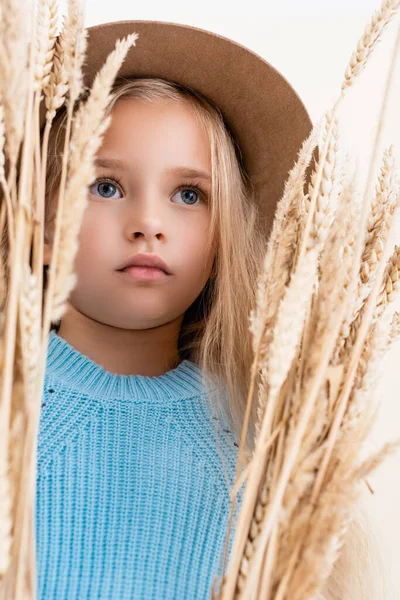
(132, 499)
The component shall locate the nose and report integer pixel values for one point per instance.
(144, 218)
(146, 233)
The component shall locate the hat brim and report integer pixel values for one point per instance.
(264, 113)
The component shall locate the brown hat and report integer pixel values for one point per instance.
(263, 112)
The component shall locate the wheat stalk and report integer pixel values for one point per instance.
(260, 524)
(294, 442)
(22, 217)
(76, 194)
(55, 68)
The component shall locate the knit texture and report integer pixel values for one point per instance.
(132, 499)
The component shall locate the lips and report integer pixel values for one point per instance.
(145, 260)
(143, 273)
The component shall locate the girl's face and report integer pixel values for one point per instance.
(142, 204)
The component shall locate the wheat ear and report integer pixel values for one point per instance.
(47, 25)
(372, 33)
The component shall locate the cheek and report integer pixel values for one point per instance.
(95, 242)
(194, 249)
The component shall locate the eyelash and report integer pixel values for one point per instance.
(190, 186)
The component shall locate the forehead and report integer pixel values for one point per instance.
(161, 130)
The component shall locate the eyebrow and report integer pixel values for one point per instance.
(122, 165)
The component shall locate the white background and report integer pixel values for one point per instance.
(310, 42)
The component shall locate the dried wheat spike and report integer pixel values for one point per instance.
(57, 87)
(383, 205)
(390, 284)
(381, 214)
(364, 399)
(373, 31)
(31, 306)
(388, 294)
(15, 34)
(73, 43)
(47, 23)
(281, 245)
(329, 189)
(290, 320)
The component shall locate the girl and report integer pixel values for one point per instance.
(147, 372)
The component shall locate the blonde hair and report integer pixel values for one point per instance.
(215, 331)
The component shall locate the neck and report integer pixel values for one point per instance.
(148, 352)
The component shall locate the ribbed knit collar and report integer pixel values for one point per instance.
(66, 363)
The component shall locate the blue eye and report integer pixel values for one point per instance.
(189, 191)
(106, 188)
